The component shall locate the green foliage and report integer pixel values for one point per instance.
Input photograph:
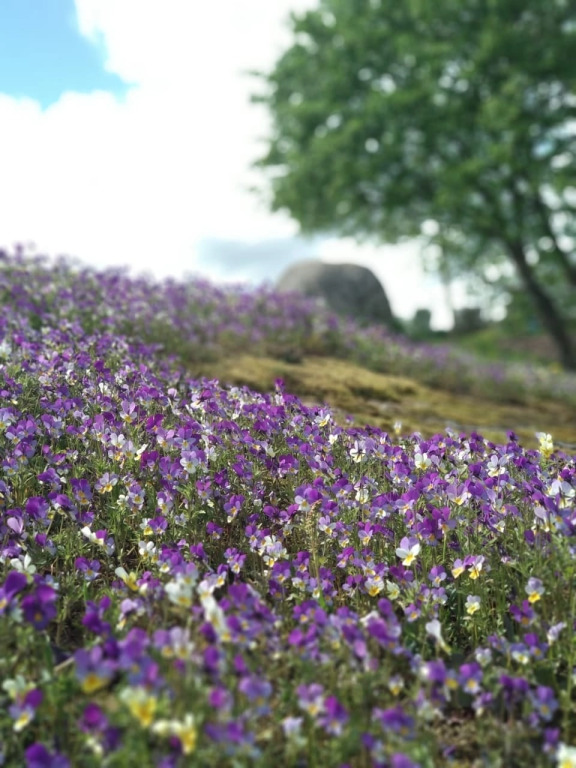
(449, 120)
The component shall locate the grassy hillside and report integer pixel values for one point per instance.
(237, 531)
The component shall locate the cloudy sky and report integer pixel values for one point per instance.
(128, 135)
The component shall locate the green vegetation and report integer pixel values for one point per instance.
(450, 121)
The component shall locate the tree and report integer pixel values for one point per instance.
(452, 120)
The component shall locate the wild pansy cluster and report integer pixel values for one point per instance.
(194, 320)
(198, 575)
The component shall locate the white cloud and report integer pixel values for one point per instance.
(140, 181)
(143, 180)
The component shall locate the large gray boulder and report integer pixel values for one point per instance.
(347, 289)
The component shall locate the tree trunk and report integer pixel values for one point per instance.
(547, 310)
(561, 256)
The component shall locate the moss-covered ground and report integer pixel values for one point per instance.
(384, 400)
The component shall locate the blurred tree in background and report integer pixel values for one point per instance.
(450, 120)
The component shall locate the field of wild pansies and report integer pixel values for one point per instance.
(200, 575)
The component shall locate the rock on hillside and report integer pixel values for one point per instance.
(347, 289)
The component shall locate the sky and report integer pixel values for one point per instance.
(128, 138)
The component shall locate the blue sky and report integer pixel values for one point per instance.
(43, 55)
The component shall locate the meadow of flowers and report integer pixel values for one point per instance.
(200, 575)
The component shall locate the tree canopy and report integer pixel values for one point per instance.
(451, 120)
